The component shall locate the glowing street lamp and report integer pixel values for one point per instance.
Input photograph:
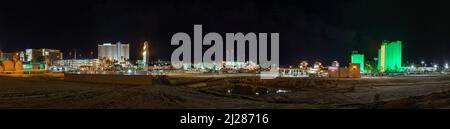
(446, 66)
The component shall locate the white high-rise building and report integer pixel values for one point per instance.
(119, 52)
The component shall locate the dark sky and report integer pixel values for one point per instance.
(320, 30)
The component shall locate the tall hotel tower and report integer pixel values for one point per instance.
(119, 52)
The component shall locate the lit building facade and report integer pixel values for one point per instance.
(79, 64)
(390, 57)
(353, 71)
(43, 55)
(119, 52)
(358, 59)
(5, 56)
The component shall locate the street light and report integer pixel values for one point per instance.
(446, 66)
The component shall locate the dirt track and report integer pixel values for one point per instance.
(37, 92)
(50, 92)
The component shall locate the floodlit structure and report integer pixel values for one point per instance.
(42, 55)
(335, 63)
(390, 57)
(303, 65)
(292, 72)
(353, 71)
(145, 54)
(119, 52)
(358, 59)
(6, 56)
(79, 64)
(419, 70)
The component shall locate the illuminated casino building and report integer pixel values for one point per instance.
(358, 59)
(390, 56)
(42, 55)
(119, 52)
(77, 64)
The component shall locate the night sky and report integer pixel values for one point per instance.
(320, 30)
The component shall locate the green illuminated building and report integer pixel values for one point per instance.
(390, 57)
(358, 59)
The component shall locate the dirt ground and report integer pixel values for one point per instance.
(234, 92)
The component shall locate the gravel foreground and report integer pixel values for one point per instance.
(56, 93)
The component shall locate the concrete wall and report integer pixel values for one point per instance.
(110, 79)
(343, 73)
(333, 73)
(352, 72)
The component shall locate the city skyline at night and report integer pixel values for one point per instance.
(224, 63)
(326, 33)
